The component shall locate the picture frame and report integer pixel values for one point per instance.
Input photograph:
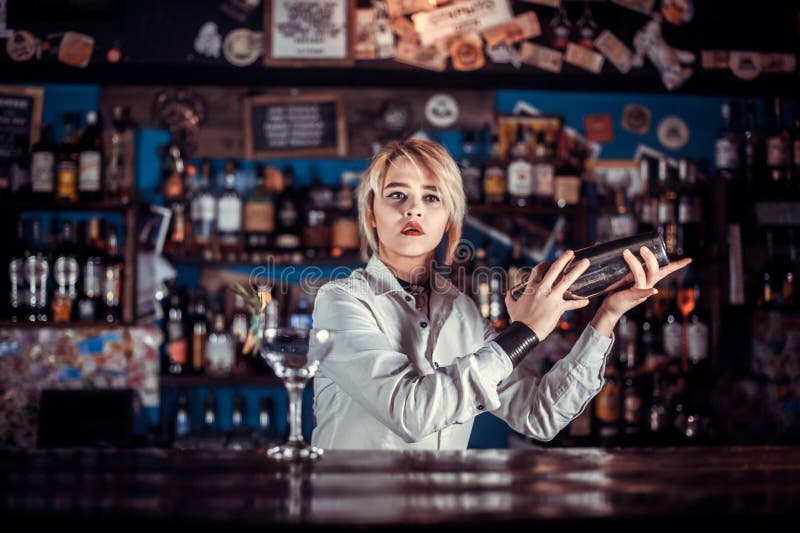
(310, 125)
(20, 104)
(549, 125)
(291, 39)
(615, 175)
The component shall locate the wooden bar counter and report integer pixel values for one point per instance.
(492, 490)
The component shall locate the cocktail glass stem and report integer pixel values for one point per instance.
(295, 391)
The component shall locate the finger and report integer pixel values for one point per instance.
(576, 304)
(569, 278)
(539, 270)
(674, 266)
(558, 266)
(639, 277)
(652, 265)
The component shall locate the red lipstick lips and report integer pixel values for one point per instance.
(412, 229)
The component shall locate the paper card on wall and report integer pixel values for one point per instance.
(365, 34)
(467, 53)
(636, 118)
(470, 15)
(715, 59)
(384, 37)
(615, 51)
(745, 65)
(428, 57)
(522, 27)
(548, 3)
(584, 58)
(76, 49)
(775, 63)
(404, 29)
(599, 128)
(542, 57)
(503, 53)
(398, 8)
(645, 7)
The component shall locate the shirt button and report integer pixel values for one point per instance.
(480, 408)
(408, 298)
(423, 325)
(435, 364)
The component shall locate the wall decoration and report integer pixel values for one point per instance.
(599, 128)
(306, 32)
(541, 57)
(584, 58)
(242, 47)
(677, 11)
(672, 132)
(615, 51)
(520, 28)
(427, 57)
(467, 53)
(21, 46)
(715, 59)
(208, 41)
(669, 61)
(20, 118)
(645, 7)
(76, 49)
(636, 118)
(441, 110)
(239, 10)
(745, 65)
(470, 15)
(365, 47)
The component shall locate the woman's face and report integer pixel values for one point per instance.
(409, 214)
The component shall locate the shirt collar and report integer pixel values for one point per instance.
(383, 281)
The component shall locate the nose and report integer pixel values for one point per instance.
(415, 209)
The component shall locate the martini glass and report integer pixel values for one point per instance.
(294, 354)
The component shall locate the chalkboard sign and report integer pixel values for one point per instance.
(295, 126)
(20, 118)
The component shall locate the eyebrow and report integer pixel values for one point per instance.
(405, 185)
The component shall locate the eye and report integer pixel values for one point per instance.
(396, 195)
(431, 198)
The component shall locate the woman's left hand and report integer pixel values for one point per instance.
(617, 304)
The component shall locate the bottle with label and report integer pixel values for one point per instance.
(796, 146)
(18, 253)
(346, 237)
(229, 216)
(36, 271)
(778, 151)
(90, 159)
(494, 175)
(672, 328)
(199, 321)
(67, 166)
(301, 316)
(690, 207)
(175, 335)
(173, 170)
(259, 215)
(180, 426)
(65, 274)
(43, 165)
(220, 353)
(112, 279)
(752, 147)
(239, 435)
(470, 169)
(287, 237)
(647, 202)
(726, 144)
(543, 170)
(607, 407)
(240, 326)
(657, 413)
(210, 435)
(768, 292)
(560, 29)
(203, 213)
(316, 227)
(520, 169)
(667, 223)
(632, 401)
(587, 28)
(121, 142)
(265, 434)
(89, 308)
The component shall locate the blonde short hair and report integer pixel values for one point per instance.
(423, 154)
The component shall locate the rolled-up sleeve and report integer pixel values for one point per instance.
(541, 406)
(388, 386)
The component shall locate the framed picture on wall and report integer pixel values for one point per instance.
(20, 118)
(539, 129)
(309, 32)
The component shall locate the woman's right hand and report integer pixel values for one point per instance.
(542, 302)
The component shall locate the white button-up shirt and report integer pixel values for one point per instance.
(397, 379)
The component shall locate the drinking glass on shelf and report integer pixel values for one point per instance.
(294, 354)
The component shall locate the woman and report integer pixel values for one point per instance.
(413, 361)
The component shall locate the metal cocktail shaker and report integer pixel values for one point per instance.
(608, 270)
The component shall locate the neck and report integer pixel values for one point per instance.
(415, 270)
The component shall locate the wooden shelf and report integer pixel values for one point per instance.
(64, 325)
(29, 204)
(196, 260)
(251, 380)
(533, 210)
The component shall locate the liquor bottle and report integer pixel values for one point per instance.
(199, 333)
(301, 316)
(229, 215)
(112, 279)
(672, 328)
(65, 274)
(698, 331)
(176, 344)
(203, 213)
(121, 141)
(543, 170)
(667, 224)
(89, 305)
(172, 172)
(180, 429)
(470, 169)
(265, 434)
(751, 149)
(316, 235)
(778, 151)
(657, 413)
(520, 169)
(220, 353)
(43, 165)
(560, 29)
(689, 229)
(17, 251)
(67, 167)
(239, 435)
(210, 435)
(607, 407)
(632, 402)
(587, 28)
(647, 202)
(497, 307)
(259, 215)
(494, 175)
(796, 146)
(346, 237)
(480, 283)
(648, 338)
(90, 159)
(726, 144)
(768, 292)
(240, 326)
(36, 271)
(287, 237)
